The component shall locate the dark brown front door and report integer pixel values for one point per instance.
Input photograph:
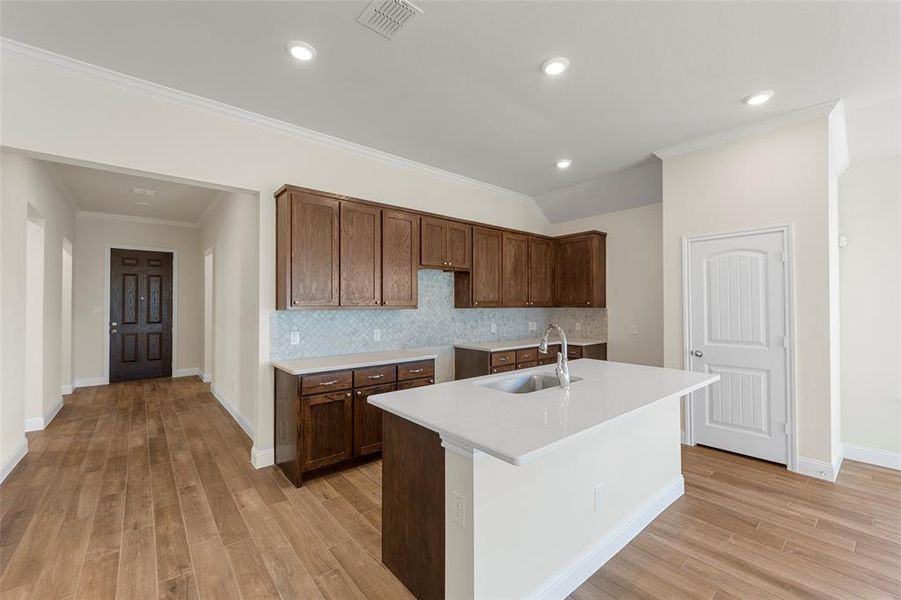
(140, 339)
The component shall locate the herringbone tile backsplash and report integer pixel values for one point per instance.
(435, 323)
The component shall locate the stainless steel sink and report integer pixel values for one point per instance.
(525, 384)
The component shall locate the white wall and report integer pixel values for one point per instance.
(34, 322)
(94, 238)
(771, 178)
(26, 181)
(634, 280)
(870, 215)
(231, 229)
(71, 110)
(65, 374)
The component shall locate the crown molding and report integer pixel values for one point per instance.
(25, 51)
(733, 135)
(89, 214)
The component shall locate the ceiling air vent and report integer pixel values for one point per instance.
(388, 17)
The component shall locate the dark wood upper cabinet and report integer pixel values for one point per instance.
(400, 259)
(515, 259)
(459, 245)
(361, 254)
(445, 244)
(542, 263)
(486, 267)
(581, 270)
(306, 250)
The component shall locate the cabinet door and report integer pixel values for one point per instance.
(313, 250)
(574, 271)
(361, 254)
(459, 245)
(400, 258)
(486, 267)
(368, 420)
(326, 430)
(516, 270)
(433, 251)
(541, 272)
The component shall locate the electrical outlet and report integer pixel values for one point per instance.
(598, 496)
(533, 326)
(295, 338)
(579, 326)
(458, 509)
(633, 329)
(376, 335)
(494, 328)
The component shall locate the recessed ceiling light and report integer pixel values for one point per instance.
(554, 66)
(564, 163)
(302, 51)
(758, 98)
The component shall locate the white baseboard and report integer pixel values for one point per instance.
(819, 468)
(65, 390)
(206, 377)
(236, 415)
(262, 458)
(685, 438)
(873, 456)
(193, 371)
(40, 423)
(90, 382)
(562, 584)
(12, 459)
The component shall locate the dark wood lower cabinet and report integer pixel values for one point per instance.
(475, 363)
(323, 420)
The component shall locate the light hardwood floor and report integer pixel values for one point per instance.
(144, 490)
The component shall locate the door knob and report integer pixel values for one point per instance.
(697, 353)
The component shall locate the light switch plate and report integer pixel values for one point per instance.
(295, 338)
(494, 328)
(458, 509)
(598, 496)
(579, 326)
(633, 329)
(533, 326)
(376, 335)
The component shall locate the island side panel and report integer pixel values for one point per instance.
(470, 363)
(595, 351)
(413, 506)
(286, 430)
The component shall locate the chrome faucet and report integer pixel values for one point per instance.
(562, 369)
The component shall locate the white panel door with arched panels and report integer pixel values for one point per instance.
(737, 311)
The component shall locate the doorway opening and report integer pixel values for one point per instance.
(34, 321)
(207, 375)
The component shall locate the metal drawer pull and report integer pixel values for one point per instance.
(359, 393)
(502, 359)
(379, 376)
(332, 382)
(431, 381)
(415, 371)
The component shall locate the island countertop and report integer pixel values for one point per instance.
(518, 428)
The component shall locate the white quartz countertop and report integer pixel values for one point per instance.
(500, 346)
(303, 366)
(518, 428)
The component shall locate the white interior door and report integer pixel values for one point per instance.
(737, 310)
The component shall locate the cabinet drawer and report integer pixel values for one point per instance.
(527, 364)
(574, 352)
(499, 359)
(415, 370)
(503, 369)
(550, 360)
(374, 375)
(322, 383)
(527, 355)
(414, 383)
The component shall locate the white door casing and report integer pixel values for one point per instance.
(737, 327)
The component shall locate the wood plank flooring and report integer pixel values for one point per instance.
(145, 490)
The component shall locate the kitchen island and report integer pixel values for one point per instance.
(495, 489)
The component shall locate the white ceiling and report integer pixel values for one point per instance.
(95, 190)
(460, 89)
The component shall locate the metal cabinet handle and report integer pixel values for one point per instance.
(332, 382)
(359, 393)
(698, 353)
(502, 359)
(379, 376)
(415, 370)
(431, 381)
(296, 302)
